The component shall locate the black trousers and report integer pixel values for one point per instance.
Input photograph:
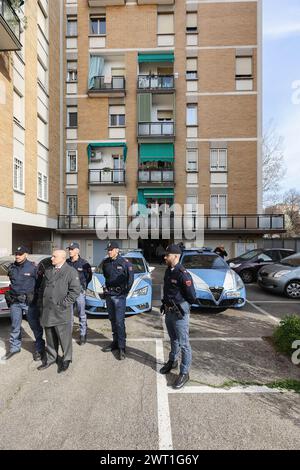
(59, 335)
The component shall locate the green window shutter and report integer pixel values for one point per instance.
(144, 107)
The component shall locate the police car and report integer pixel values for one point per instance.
(139, 299)
(217, 286)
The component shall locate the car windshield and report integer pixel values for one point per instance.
(137, 263)
(203, 262)
(293, 261)
(250, 254)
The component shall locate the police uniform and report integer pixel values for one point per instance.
(85, 276)
(22, 296)
(179, 294)
(119, 278)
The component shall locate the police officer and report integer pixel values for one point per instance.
(22, 299)
(85, 275)
(179, 294)
(119, 277)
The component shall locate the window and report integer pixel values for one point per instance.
(72, 205)
(42, 187)
(72, 71)
(192, 160)
(244, 74)
(117, 116)
(192, 68)
(71, 161)
(42, 74)
(191, 23)
(18, 175)
(192, 115)
(165, 23)
(218, 204)
(98, 25)
(164, 116)
(218, 160)
(72, 118)
(191, 202)
(71, 26)
(18, 107)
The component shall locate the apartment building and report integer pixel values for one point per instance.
(29, 124)
(149, 102)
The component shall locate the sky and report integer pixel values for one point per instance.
(281, 78)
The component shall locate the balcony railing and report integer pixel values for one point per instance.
(101, 85)
(156, 129)
(98, 176)
(156, 82)
(156, 176)
(10, 27)
(231, 223)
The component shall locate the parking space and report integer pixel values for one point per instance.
(101, 403)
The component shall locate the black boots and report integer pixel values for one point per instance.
(168, 367)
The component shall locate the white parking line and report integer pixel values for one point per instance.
(2, 353)
(205, 390)
(261, 310)
(276, 302)
(163, 410)
(218, 338)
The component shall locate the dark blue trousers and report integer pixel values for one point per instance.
(116, 308)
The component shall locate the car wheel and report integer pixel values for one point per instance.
(293, 290)
(247, 276)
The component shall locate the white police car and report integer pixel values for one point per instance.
(139, 299)
(217, 286)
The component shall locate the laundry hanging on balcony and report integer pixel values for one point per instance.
(96, 69)
(123, 145)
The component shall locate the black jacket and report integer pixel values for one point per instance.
(59, 290)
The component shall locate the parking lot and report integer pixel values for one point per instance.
(101, 403)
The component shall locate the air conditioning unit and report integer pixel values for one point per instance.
(96, 155)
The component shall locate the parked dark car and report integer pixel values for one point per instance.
(248, 264)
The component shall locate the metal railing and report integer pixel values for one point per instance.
(11, 18)
(116, 84)
(106, 177)
(156, 176)
(257, 223)
(156, 82)
(156, 129)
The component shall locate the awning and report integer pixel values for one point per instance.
(158, 192)
(156, 152)
(156, 57)
(91, 146)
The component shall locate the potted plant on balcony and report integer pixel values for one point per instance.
(17, 7)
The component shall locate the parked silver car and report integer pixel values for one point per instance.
(282, 278)
(4, 280)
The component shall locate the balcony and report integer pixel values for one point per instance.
(226, 224)
(106, 177)
(156, 83)
(105, 3)
(10, 28)
(156, 176)
(156, 129)
(113, 88)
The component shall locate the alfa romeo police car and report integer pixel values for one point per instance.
(139, 299)
(217, 286)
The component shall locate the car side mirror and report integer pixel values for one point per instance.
(151, 269)
(261, 260)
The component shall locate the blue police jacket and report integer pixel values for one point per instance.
(179, 286)
(22, 277)
(84, 271)
(118, 273)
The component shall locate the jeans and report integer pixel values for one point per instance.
(116, 307)
(80, 302)
(178, 331)
(32, 312)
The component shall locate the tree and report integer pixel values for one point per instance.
(291, 208)
(274, 168)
